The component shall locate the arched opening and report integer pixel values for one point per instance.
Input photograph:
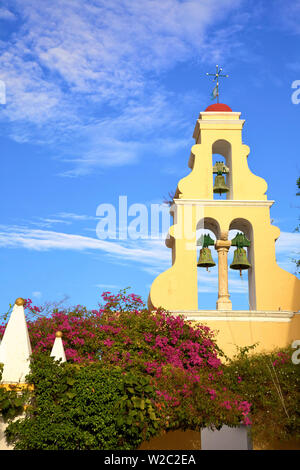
(207, 276)
(221, 152)
(242, 287)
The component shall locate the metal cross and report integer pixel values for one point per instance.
(216, 77)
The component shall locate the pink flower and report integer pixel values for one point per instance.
(212, 393)
(226, 404)
(148, 337)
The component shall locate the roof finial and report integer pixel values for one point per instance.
(215, 92)
(58, 351)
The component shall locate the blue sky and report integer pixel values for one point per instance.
(101, 101)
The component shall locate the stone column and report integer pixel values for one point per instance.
(222, 247)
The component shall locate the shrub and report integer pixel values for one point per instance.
(131, 374)
(11, 401)
(83, 408)
(271, 382)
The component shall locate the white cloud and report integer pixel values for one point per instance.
(66, 65)
(37, 294)
(6, 14)
(145, 252)
(288, 243)
(65, 218)
(287, 15)
(107, 286)
(151, 255)
(111, 45)
(76, 217)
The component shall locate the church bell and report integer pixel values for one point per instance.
(240, 261)
(220, 185)
(205, 259)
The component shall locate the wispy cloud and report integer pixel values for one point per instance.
(288, 243)
(6, 14)
(107, 286)
(150, 255)
(61, 218)
(75, 217)
(287, 15)
(66, 66)
(142, 252)
(37, 294)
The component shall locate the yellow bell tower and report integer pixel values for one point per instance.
(273, 292)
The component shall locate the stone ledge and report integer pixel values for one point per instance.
(225, 202)
(237, 315)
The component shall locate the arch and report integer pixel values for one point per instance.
(246, 227)
(209, 223)
(207, 280)
(243, 225)
(223, 147)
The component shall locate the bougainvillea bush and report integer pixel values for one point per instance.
(130, 373)
(271, 382)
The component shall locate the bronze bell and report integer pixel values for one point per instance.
(205, 259)
(240, 260)
(220, 185)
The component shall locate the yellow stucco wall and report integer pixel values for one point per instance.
(246, 209)
(269, 334)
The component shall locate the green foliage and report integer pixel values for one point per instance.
(133, 374)
(136, 415)
(271, 382)
(87, 407)
(11, 401)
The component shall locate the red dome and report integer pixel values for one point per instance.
(217, 107)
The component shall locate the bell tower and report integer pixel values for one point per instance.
(220, 197)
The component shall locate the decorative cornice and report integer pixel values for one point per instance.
(224, 202)
(237, 315)
(220, 113)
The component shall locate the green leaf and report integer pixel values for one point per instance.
(18, 402)
(5, 404)
(136, 402)
(129, 420)
(70, 381)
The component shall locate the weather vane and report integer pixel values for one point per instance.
(215, 92)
